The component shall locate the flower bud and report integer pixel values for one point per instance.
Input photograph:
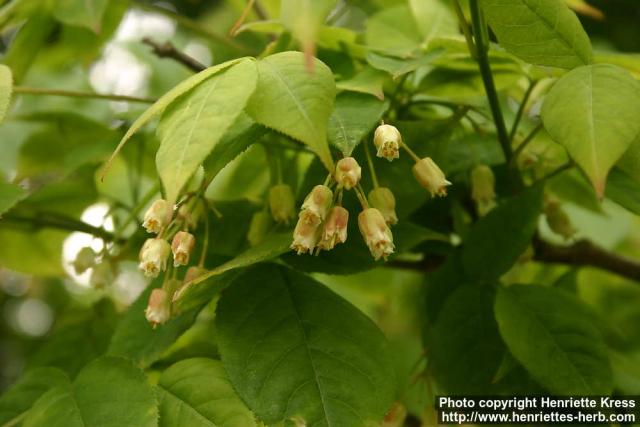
(335, 228)
(316, 205)
(382, 199)
(305, 237)
(258, 227)
(157, 216)
(85, 259)
(431, 177)
(348, 173)
(281, 203)
(153, 257)
(376, 233)
(158, 309)
(483, 189)
(189, 216)
(558, 219)
(387, 140)
(102, 275)
(181, 246)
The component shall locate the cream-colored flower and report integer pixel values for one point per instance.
(305, 237)
(181, 246)
(387, 140)
(431, 177)
(316, 205)
(102, 274)
(376, 233)
(382, 199)
(483, 189)
(282, 203)
(348, 173)
(158, 309)
(157, 216)
(335, 228)
(153, 257)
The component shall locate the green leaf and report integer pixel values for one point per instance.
(10, 194)
(295, 102)
(78, 337)
(136, 339)
(369, 80)
(623, 189)
(398, 67)
(541, 32)
(496, 241)
(271, 247)
(288, 358)
(434, 18)
(81, 13)
(109, 392)
(166, 100)
(553, 335)
(32, 252)
(21, 396)
(393, 31)
(197, 393)
(6, 87)
(467, 349)
(238, 138)
(354, 116)
(192, 126)
(304, 19)
(27, 44)
(592, 111)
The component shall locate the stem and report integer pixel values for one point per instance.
(525, 142)
(24, 90)
(61, 222)
(482, 45)
(194, 26)
(362, 198)
(168, 50)
(413, 155)
(465, 29)
(241, 19)
(205, 243)
(519, 114)
(374, 178)
(557, 171)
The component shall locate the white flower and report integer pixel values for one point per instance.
(431, 177)
(181, 246)
(157, 216)
(376, 233)
(387, 140)
(316, 205)
(335, 228)
(305, 237)
(153, 257)
(158, 309)
(348, 173)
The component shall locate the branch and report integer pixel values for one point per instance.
(167, 50)
(482, 51)
(24, 90)
(60, 222)
(583, 253)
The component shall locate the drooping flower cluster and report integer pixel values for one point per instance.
(323, 222)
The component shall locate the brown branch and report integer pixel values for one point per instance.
(583, 253)
(168, 50)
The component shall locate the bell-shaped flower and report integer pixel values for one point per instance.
(382, 199)
(181, 246)
(153, 257)
(431, 177)
(334, 230)
(348, 173)
(316, 205)
(376, 233)
(282, 203)
(157, 216)
(387, 140)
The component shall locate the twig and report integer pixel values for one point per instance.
(24, 90)
(557, 171)
(521, 108)
(194, 26)
(44, 220)
(465, 29)
(520, 148)
(168, 50)
(583, 253)
(482, 49)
